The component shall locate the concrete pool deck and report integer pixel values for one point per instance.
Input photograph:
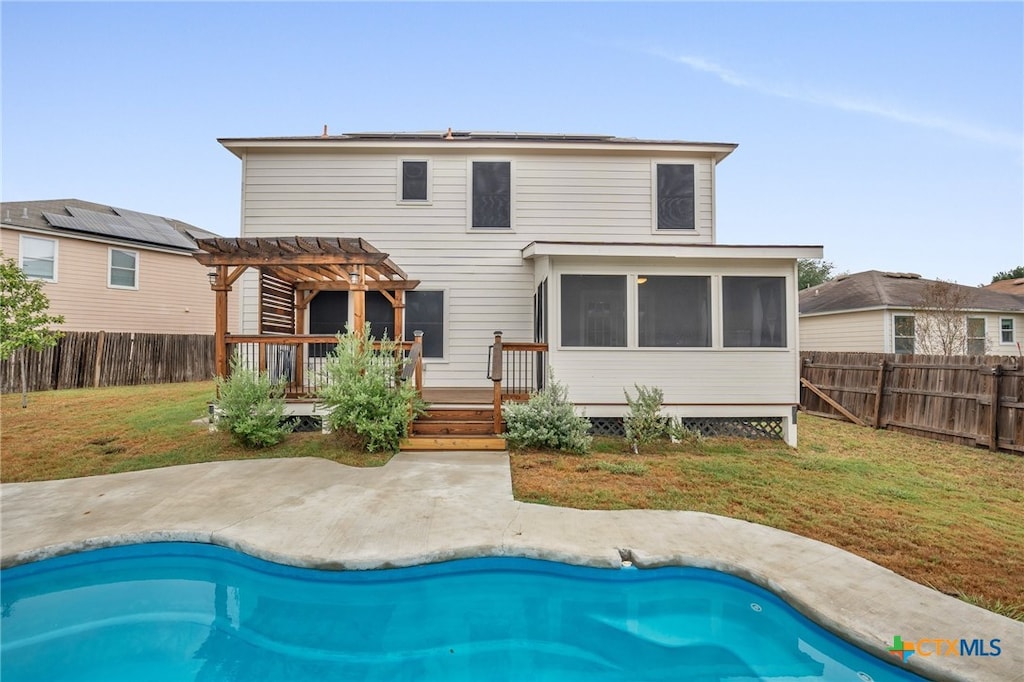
(428, 507)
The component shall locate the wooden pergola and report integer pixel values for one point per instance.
(292, 271)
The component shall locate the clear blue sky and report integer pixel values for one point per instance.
(889, 133)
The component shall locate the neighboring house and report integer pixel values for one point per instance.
(604, 248)
(110, 269)
(880, 312)
(1008, 286)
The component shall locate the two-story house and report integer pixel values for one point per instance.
(604, 248)
(110, 269)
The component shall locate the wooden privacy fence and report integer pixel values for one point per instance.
(968, 399)
(87, 359)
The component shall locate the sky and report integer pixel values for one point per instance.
(890, 133)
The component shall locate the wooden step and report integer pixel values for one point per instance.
(456, 414)
(452, 428)
(414, 443)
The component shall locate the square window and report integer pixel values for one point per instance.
(492, 194)
(754, 312)
(903, 334)
(674, 311)
(675, 203)
(38, 258)
(123, 269)
(1006, 330)
(415, 180)
(594, 310)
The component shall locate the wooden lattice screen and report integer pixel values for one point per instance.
(277, 305)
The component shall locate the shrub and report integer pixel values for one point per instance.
(644, 423)
(547, 420)
(679, 432)
(251, 406)
(365, 394)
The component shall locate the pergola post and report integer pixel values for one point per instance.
(221, 289)
(398, 307)
(358, 288)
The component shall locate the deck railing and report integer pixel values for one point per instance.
(517, 369)
(298, 360)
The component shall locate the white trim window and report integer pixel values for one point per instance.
(903, 334)
(674, 190)
(593, 311)
(1006, 330)
(976, 341)
(122, 269)
(673, 311)
(414, 181)
(425, 312)
(491, 200)
(37, 258)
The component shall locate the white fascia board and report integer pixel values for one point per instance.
(718, 151)
(692, 251)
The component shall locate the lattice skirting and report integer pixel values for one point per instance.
(744, 427)
(305, 423)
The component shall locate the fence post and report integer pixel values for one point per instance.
(99, 359)
(879, 392)
(993, 417)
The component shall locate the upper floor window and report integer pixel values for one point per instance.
(1006, 330)
(124, 269)
(38, 257)
(415, 180)
(976, 341)
(903, 334)
(492, 194)
(675, 196)
(674, 311)
(754, 312)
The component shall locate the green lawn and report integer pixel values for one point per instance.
(940, 514)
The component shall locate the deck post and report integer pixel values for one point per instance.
(417, 336)
(496, 367)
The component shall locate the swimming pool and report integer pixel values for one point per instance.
(182, 611)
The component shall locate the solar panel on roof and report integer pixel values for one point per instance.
(130, 225)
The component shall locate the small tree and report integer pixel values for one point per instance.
(813, 271)
(644, 423)
(547, 420)
(940, 319)
(1015, 273)
(25, 324)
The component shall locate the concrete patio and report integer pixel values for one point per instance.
(428, 507)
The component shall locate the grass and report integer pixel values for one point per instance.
(84, 432)
(942, 515)
(939, 514)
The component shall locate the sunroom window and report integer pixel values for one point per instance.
(754, 312)
(674, 311)
(594, 310)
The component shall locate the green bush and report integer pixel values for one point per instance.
(679, 432)
(644, 423)
(367, 399)
(547, 420)
(251, 407)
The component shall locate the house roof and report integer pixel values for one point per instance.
(1008, 286)
(481, 139)
(74, 216)
(876, 289)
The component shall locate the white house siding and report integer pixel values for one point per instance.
(573, 197)
(853, 332)
(713, 381)
(173, 294)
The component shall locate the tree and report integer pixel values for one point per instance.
(940, 319)
(813, 271)
(25, 322)
(1016, 273)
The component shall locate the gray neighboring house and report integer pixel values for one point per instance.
(875, 312)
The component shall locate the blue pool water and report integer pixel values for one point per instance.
(180, 611)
